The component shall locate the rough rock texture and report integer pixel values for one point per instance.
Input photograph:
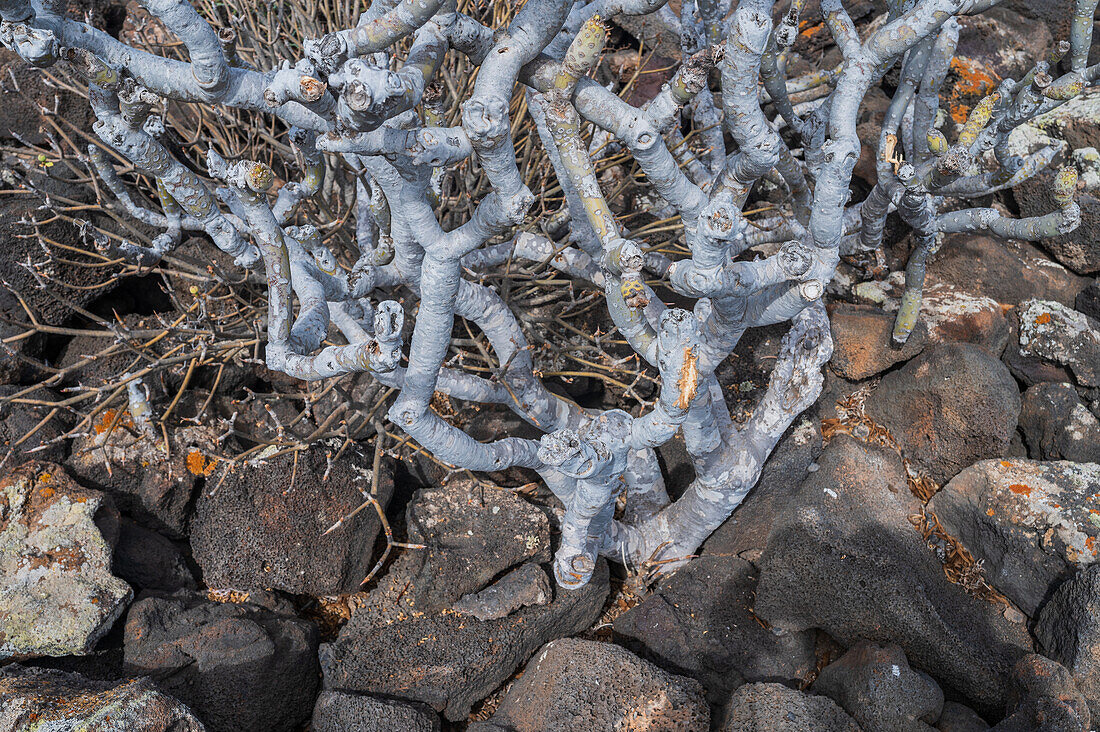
(262, 526)
(574, 684)
(1029, 521)
(844, 557)
(960, 718)
(528, 585)
(16, 420)
(778, 708)
(57, 594)
(1056, 333)
(700, 621)
(1004, 41)
(862, 346)
(240, 667)
(43, 699)
(336, 711)
(1043, 698)
(149, 561)
(1028, 369)
(153, 488)
(1058, 426)
(952, 405)
(1088, 300)
(1069, 632)
(875, 685)
(1004, 270)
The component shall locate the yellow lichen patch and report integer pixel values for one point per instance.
(200, 464)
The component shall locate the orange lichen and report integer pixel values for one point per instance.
(1020, 489)
(972, 79)
(46, 492)
(1043, 319)
(989, 512)
(200, 464)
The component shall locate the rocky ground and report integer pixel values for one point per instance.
(920, 553)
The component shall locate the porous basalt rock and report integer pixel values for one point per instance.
(1068, 630)
(1056, 333)
(1057, 425)
(336, 711)
(777, 708)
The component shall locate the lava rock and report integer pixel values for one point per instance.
(45, 699)
(576, 684)
(1029, 521)
(862, 343)
(949, 407)
(16, 420)
(240, 667)
(339, 712)
(150, 561)
(1056, 333)
(1028, 369)
(777, 708)
(1069, 632)
(844, 557)
(1043, 698)
(875, 685)
(960, 718)
(700, 621)
(1058, 426)
(523, 587)
(57, 594)
(1088, 300)
(264, 525)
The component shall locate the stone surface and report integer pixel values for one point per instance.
(949, 407)
(263, 526)
(523, 587)
(875, 685)
(777, 708)
(862, 343)
(957, 717)
(16, 420)
(1088, 300)
(339, 712)
(1056, 333)
(1068, 631)
(239, 667)
(1043, 698)
(150, 561)
(1029, 370)
(43, 699)
(574, 684)
(57, 594)
(1058, 426)
(843, 557)
(699, 620)
(1029, 521)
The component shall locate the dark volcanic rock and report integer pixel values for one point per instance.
(57, 594)
(528, 585)
(339, 712)
(1028, 369)
(875, 685)
(952, 405)
(16, 420)
(960, 718)
(1056, 333)
(700, 618)
(1029, 521)
(262, 527)
(778, 708)
(862, 343)
(844, 557)
(150, 561)
(573, 684)
(240, 667)
(40, 699)
(1088, 300)
(1043, 698)
(1069, 632)
(1058, 426)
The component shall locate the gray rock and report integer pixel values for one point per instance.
(1058, 426)
(336, 711)
(700, 619)
(1029, 521)
(1069, 632)
(875, 685)
(844, 557)
(1043, 698)
(42, 699)
(950, 406)
(264, 525)
(57, 594)
(1030, 370)
(960, 718)
(862, 342)
(573, 684)
(240, 667)
(1056, 333)
(523, 587)
(777, 708)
